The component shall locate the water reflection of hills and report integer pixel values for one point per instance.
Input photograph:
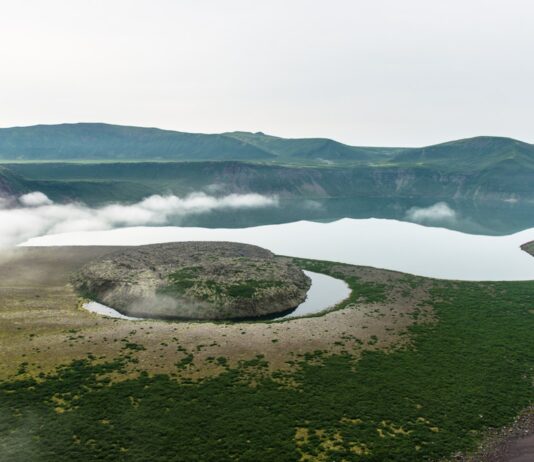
(491, 218)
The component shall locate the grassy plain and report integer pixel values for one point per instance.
(43, 325)
(406, 369)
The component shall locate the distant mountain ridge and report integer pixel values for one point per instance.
(97, 141)
(477, 152)
(105, 142)
(312, 148)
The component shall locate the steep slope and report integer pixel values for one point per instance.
(507, 181)
(91, 190)
(97, 141)
(471, 153)
(10, 183)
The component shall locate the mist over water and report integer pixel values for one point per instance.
(433, 250)
(486, 218)
(389, 244)
(34, 214)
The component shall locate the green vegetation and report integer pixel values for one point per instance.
(248, 288)
(471, 154)
(100, 141)
(185, 278)
(309, 149)
(104, 142)
(368, 292)
(181, 280)
(469, 370)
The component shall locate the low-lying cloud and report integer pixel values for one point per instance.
(34, 214)
(437, 213)
(34, 199)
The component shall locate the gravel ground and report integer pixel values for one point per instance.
(42, 323)
(510, 444)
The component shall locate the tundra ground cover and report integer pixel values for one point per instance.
(435, 393)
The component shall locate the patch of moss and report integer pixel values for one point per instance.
(181, 280)
(248, 288)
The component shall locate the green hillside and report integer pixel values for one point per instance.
(103, 142)
(471, 154)
(88, 141)
(97, 141)
(312, 148)
(84, 142)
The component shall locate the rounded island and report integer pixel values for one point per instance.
(194, 280)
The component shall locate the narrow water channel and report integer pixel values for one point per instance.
(325, 292)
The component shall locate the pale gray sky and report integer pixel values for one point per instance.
(365, 72)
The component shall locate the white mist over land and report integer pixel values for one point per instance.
(389, 244)
(34, 214)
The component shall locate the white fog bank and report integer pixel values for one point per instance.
(34, 214)
(389, 244)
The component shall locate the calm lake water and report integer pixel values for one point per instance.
(98, 308)
(382, 243)
(325, 292)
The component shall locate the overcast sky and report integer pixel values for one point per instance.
(365, 72)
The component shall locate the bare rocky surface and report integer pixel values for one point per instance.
(514, 443)
(194, 280)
